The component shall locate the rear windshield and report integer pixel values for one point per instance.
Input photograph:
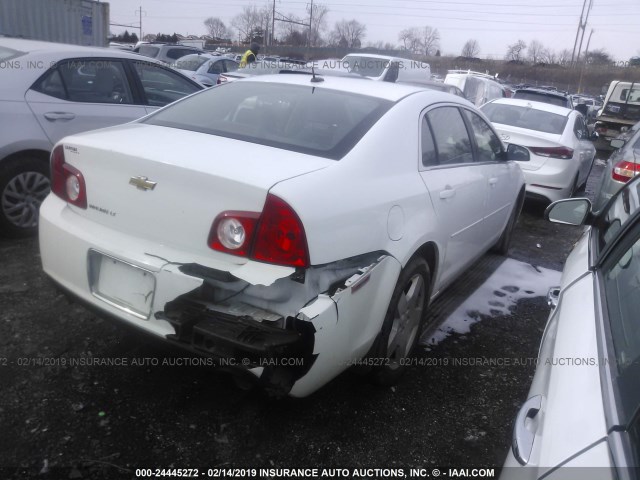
(9, 54)
(525, 117)
(542, 97)
(306, 119)
(190, 62)
(148, 51)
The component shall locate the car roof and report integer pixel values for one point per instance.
(520, 102)
(384, 90)
(62, 49)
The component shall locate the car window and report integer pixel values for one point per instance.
(616, 214)
(579, 128)
(488, 144)
(148, 51)
(450, 136)
(175, 53)
(300, 118)
(190, 62)
(216, 68)
(162, 86)
(429, 154)
(621, 279)
(525, 117)
(88, 81)
(230, 66)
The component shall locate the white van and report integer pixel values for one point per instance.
(477, 87)
(385, 68)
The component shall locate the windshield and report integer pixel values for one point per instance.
(525, 117)
(541, 97)
(190, 62)
(300, 118)
(366, 66)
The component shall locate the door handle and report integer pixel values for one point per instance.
(447, 193)
(493, 181)
(54, 116)
(523, 438)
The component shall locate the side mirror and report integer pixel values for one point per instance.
(617, 143)
(518, 153)
(594, 135)
(570, 211)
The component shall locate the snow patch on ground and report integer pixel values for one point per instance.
(513, 280)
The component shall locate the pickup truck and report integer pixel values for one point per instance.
(621, 110)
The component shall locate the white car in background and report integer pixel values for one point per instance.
(332, 210)
(205, 68)
(561, 152)
(50, 90)
(583, 406)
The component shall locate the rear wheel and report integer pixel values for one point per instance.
(403, 322)
(583, 187)
(24, 184)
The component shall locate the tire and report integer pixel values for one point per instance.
(502, 245)
(24, 184)
(403, 322)
(574, 188)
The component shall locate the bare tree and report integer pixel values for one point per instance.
(429, 40)
(247, 22)
(348, 33)
(549, 56)
(599, 56)
(535, 51)
(564, 57)
(410, 38)
(216, 28)
(471, 48)
(515, 51)
(318, 23)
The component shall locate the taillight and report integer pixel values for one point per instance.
(625, 171)
(280, 237)
(553, 152)
(67, 182)
(232, 232)
(275, 236)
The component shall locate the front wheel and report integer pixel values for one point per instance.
(24, 184)
(403, 322)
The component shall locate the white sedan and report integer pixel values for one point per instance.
(583, 406)
(561, 154)
(289, 226)
(50, 90)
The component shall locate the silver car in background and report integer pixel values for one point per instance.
(581, 417)
(622, 165)
(205, 68)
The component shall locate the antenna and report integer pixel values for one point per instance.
(315, 79)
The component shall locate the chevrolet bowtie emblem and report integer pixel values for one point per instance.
(142, 183)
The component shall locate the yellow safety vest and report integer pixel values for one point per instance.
(245, 58)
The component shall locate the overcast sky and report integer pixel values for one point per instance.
(494, 23)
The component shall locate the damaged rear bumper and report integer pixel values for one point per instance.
(293, 331)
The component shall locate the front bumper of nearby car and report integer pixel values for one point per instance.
(291, 333)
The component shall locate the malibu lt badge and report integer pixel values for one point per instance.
(142, 183)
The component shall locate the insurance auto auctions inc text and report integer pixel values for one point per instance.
(368, 473)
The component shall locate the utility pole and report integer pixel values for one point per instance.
(139, 12)
(273, 23)
(310, 25)
(584, 27)
(575, 43)
(584, 63)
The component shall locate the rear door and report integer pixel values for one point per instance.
(456, 183)
(585, 148)
(82, 94)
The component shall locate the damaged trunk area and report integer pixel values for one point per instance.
(271, 330)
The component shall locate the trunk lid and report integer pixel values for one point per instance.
(196, 176)
(528, 138)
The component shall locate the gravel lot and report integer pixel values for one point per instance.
(62, 421)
